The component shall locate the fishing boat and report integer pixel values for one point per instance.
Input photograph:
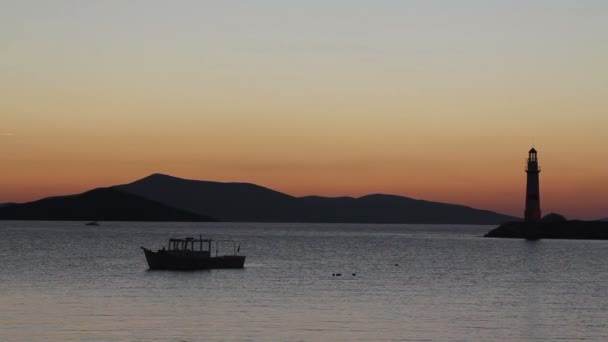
(194, 254)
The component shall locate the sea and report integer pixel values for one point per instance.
(64, 281)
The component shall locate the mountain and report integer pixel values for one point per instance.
(224, 201)
(102, 204)
(381, 208)
(245, 202)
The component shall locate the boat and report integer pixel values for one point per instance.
(92, 223)
(194, 254)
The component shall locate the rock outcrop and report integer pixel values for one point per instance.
(552, 226)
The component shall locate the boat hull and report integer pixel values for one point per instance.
(165, 260)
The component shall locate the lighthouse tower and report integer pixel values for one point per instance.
(532, 212)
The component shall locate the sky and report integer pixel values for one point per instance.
(437, 100)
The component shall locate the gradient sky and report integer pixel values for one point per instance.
(439, 100)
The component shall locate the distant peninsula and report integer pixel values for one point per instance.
(166, 198)
(102, 204)
(552, 226)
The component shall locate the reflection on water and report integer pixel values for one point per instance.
(63, 281)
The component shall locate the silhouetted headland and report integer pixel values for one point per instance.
(165, 198)
(103, 204)
(552, 226)
(245, 202)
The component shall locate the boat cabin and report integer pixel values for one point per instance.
(190, 244)
(199, 245)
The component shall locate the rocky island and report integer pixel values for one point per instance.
(552, 226)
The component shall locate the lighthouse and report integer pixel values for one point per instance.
(532, 212)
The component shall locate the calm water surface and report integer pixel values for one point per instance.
(62, 281)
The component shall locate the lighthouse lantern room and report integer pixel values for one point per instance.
(532, 211)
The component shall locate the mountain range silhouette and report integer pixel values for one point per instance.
(160, 197)
(101, 204)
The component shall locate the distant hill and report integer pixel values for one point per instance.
(103, 204)
(224, 201)
(383, 208)
(245, 202)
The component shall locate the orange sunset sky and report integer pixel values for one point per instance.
(432, 100)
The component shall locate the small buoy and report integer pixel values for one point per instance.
(333, 274)
(396, 264)
(354, 274)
